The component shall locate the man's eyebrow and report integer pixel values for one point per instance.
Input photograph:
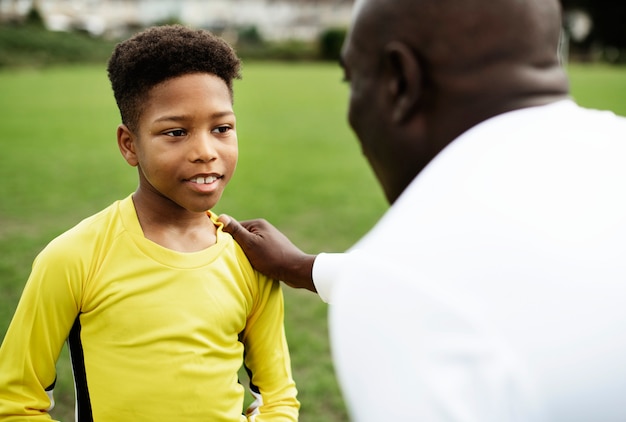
(341, 62)
(344, 68)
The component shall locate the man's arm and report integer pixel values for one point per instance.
(271, 252)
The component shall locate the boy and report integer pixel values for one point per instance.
(157, 303)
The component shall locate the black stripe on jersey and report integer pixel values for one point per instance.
(252, 387)
(83, 402)
(51, 387)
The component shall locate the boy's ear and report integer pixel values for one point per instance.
(404, 83)
(126, 143)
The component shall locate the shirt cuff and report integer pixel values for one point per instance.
(326, 269)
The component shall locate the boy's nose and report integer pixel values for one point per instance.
(203, 148)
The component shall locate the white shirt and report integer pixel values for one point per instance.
(494, 289)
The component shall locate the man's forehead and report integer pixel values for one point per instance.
(361, 36)
(359, 22)
(358, 9)
(358, 5)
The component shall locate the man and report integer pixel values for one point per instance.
(493, 288)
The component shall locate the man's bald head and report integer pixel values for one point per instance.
(422, 72)
(463, 35)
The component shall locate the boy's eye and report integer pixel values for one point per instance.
(222, 129)
(175, 132)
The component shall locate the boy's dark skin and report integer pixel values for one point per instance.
(171, 208)
(421, 73)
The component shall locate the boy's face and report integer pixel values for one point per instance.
(185, 145)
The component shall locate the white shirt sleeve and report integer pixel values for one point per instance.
(326, 270)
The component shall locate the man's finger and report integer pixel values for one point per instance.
(232, 227)
(225, 219)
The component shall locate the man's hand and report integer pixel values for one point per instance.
(271, 252)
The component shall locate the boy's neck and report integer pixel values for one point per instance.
(173, 227)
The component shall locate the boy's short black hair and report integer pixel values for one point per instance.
(161, 53)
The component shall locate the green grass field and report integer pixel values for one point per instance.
(300, 167)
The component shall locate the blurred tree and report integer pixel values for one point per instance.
(250, 36)
(330, 42)
(34, 18)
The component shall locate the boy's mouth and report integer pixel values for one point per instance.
(203, 180)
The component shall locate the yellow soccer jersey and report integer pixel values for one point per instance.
(154, 334)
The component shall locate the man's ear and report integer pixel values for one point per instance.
(126, 143)
(404, 80)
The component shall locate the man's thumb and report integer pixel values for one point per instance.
(225, 219)
(231, 226)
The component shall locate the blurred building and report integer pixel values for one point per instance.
(273, 19)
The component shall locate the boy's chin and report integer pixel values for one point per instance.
(203, 206)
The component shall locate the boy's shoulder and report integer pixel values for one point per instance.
(89, 233)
